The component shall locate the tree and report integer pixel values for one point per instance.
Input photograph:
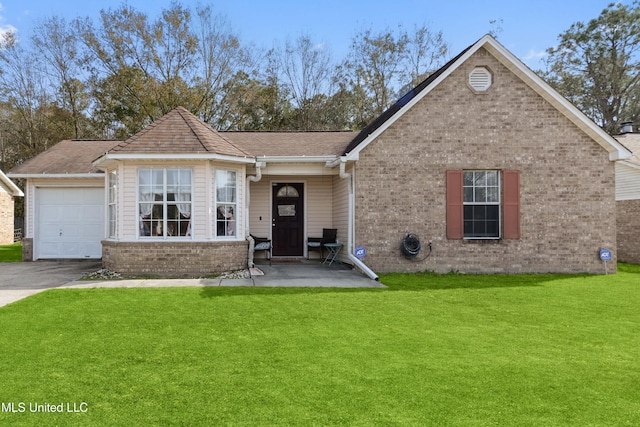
(597, 66)
(57, 45)
(27, 117)
(382, 65)
(305, 67)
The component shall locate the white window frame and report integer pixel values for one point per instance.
(223, 208)
(472, 195)
(164, 205)
(112, 204)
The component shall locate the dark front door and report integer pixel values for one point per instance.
(287, 219)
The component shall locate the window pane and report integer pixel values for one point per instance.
(164, 202)
(493, 195)
(225, 222)
(493, 212)
(480, 178)
(492, 178)
(479, 213)
(468, 194)
(480, 195)
(468, 179)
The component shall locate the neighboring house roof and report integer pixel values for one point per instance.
(286, 144)
(179, 132)
(616, 150)
(68, 158)
(10, 186)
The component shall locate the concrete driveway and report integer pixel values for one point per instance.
(21, 279)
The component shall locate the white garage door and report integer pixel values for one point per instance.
(70, 222)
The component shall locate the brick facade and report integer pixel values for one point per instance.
(174, 259)
(6, 218)
(566, 188)
(628, 220)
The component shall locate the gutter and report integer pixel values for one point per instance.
(56, 175)
(251, 178)
(351, 219)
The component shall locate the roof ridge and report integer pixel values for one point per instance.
(186, 115)
(196, 132)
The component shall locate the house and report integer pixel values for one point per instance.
(480, 168)
(8, 190)
(628, 198)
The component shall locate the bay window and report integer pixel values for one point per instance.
(164, 202)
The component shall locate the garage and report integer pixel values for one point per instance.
(69, 222)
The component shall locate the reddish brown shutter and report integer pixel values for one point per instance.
(511, 203)
(455, 222)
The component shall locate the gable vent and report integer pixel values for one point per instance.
(480, 79)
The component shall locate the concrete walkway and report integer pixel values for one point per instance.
(20, 280)
(290, 274)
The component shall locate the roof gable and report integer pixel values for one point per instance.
(371, 132)
(178, 132)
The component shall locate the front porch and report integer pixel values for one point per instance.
(302, 273)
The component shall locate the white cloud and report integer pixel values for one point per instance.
(535, 55)
(6, 28)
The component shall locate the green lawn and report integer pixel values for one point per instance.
(11, 253)
(530, 350)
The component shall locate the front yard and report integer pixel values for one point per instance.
(11, 253)
(530, 350)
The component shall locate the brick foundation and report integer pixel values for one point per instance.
(27, 249)
(174, 259)
(628, 221)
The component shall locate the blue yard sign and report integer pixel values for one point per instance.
(360, 252)
(605, 254)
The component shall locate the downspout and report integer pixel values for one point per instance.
(350, 223)
(253, 178)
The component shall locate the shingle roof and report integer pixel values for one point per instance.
(179, 131)
(281, 144)
(66, 157)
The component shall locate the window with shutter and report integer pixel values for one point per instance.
(483, 204)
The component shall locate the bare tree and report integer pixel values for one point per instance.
(57, 44)
(305, 69)
(381, 65)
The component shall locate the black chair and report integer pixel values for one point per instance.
(262, 244)
(329, 235)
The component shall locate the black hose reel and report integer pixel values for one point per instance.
(410, 247)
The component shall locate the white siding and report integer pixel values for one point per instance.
(319, 197)
(627, 182)
(341, 208)
(127, 204)
(260, 208)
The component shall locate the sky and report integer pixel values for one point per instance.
(526, 28)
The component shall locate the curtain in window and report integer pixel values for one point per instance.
(226, 190)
